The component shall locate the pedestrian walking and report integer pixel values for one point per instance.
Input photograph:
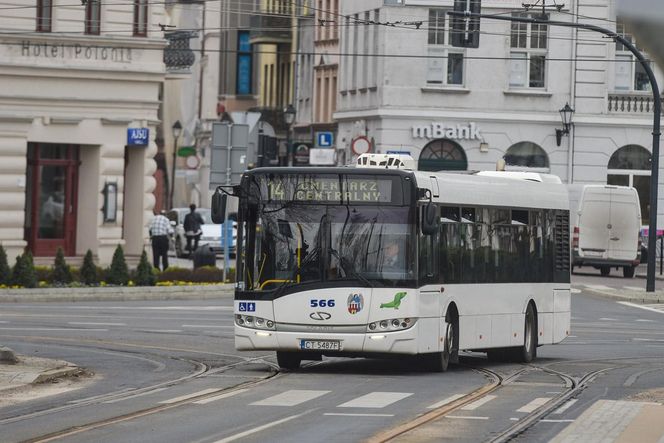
(160, 228)
(192, 228)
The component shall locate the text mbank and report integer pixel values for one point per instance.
(440, 130)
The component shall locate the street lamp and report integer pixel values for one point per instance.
(566, 116)
(289, 119)
(177, 130)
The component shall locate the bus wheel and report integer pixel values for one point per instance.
(288, 360)
(604, 270)
(528, 351)
(628, 271)
(440, 361)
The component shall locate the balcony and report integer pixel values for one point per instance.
(270, 29)
(631, 103)
(178, 56)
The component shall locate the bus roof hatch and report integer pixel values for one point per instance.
(386, 161)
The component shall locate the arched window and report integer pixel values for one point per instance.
(442, 154)
(630, 166)
(526, 155)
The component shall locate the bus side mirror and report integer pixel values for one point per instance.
(218, 211)
(430, 219)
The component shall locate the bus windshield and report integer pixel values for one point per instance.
(305, 243)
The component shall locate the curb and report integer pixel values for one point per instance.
(54, 374)
(137, 293)
(659, 298)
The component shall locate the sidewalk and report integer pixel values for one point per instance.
(117, 293)
(29, 371)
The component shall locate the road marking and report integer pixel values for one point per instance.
(477, 403)
(89, 323)
(607, 319)
(343, 414)
(467, 417)
(2, 321)
(375, 400)
(129, 397)
(86, 399)
(290, 398)
(647, 308)
(644, 320)
(552, 420)
(208, 326)
(448, 400)
(55, 329)
(566, 406)
(575, 291)
(536, 403)
(600, 287)
(647, 339)
(259, 429)
(219, 397)
(162, 331)
(514, 419)
(632, 378)
(188, 396)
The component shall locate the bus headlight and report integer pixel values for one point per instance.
(394, 324)
(249, 321)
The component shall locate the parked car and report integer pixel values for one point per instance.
(211, 233)
(606, 225)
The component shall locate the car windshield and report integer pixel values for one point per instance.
(305, 243)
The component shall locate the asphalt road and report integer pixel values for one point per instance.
(163, 373)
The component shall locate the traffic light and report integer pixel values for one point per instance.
(466, 30)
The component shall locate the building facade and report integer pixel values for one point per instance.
(79, 100)
(406, 89)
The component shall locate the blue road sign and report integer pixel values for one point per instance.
(324, 139)
(138, 136)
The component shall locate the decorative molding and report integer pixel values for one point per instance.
(445, 90)
(116, 121)
(527, 93)
(65, 120)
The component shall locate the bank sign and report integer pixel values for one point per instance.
(469, 131)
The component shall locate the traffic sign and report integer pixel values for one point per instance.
(186, 151)
(138, 136)
(360, 145)
(324, 139)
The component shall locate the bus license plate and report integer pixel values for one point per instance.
(320, 345)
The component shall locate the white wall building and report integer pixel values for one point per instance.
(73, 80)
(407, 89)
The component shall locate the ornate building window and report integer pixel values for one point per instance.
(526, 155)
(443, 154)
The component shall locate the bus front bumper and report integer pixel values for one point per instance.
(397, 342)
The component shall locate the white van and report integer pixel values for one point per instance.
(606, 228)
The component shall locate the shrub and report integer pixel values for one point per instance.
(144, 272)
(44, 273)
(89, 275)
(204, 274)
(5, 270)
(61, 273)
(173, 273)
(24, 272)
(118, 273)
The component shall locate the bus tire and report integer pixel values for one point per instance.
(528, 352)
(628, 271)
(289, 360)
(604, 271)
(440, 361)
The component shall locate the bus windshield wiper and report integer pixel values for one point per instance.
(311, 256)
(350, 271)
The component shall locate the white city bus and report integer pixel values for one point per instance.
(483, 263)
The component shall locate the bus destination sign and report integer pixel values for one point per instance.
(330, 189)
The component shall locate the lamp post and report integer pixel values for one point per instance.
(177, 130)
(566, 117)
(289, 119)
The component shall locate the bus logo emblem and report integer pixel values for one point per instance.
(320, 316)
(355, 303)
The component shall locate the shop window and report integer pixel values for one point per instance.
(445, 63)
(92, 17)
(629, 73)
(140, 18)
(524, 155)
(443, 154)
(44, 15)
(528, 53)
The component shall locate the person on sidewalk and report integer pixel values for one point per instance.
(192, 228)
(160, 229)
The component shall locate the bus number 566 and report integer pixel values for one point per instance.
(321, 303)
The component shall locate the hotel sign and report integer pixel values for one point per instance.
(75, 51)
(443, 130)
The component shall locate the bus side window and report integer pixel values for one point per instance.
(450, 245)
